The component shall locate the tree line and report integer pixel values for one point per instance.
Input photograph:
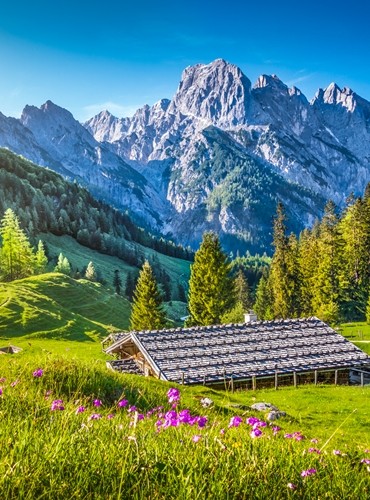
(45, 202)
(325, 272)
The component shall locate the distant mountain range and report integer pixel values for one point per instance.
(218, 156)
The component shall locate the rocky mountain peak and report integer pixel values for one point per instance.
(269, 81)
(217, 93)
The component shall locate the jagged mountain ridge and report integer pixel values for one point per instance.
(217, 156)
(319, 149)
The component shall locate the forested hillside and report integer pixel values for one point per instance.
(45, 202)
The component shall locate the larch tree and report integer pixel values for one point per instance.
(90, 273)
(41, 261)
(63, 266)
(211, 289)
(17, 259)
(147, 308)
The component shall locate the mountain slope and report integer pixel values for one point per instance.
(308, 152)
(164, 165)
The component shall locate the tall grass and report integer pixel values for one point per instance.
(64, 454)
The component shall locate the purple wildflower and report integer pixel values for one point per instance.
(288, 436)
(276, 429)
(196, 438)
(57, 404)
(110, 416)
(252, 420)
(314, 450)
(173, 395)
(308, 472)
(95, 416)
(38, 373)
(80, 409)
(202, 422)
(314, 440)
(97, 402)
(337, 452)
(140, 416)
(365, 461)
(122, 403)
(132, 409)
(255, 433)
(235, 421)
(222, 432)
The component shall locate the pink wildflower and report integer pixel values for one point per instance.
(110, 416)
(365, 461)
(16, 382)
(196, 438)
(57, 404)
(235, 422)
(337, 452)
(314, 450)
(95, 416)
(314, 440)
(173, 395)
(308, 472)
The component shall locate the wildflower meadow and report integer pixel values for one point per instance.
(72, 430)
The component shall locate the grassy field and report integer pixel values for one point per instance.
(60, 445)
(79, 256)
(358, 333)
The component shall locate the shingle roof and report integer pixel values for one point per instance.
(245, 350)
(125, 366)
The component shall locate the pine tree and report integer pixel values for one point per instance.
(327, 290)
(41, 259)
(147, 309)
(16, 256)
(355, 230)
(263, 306)
(211, 290)
(130, 285)
(63, 266)
(117, 282)
(242, 291)
(90, 273)
(284, 276)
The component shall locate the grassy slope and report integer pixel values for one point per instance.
(63, 455)
(358, 333)
(79, 256)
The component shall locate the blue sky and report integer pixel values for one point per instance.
(89, 56)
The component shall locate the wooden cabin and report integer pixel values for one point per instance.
(263, 353)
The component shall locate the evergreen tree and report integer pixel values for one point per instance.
(327, 292)
(284, 276)
(90, 273)
(147, 309)
(16, 257)
(181, 293)
(63, 266)
(211, 290)
(263, 306)
(130, 285)
(117, 282)
(355, 230)
(242, 291)
(40, 258)
(308, 263)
